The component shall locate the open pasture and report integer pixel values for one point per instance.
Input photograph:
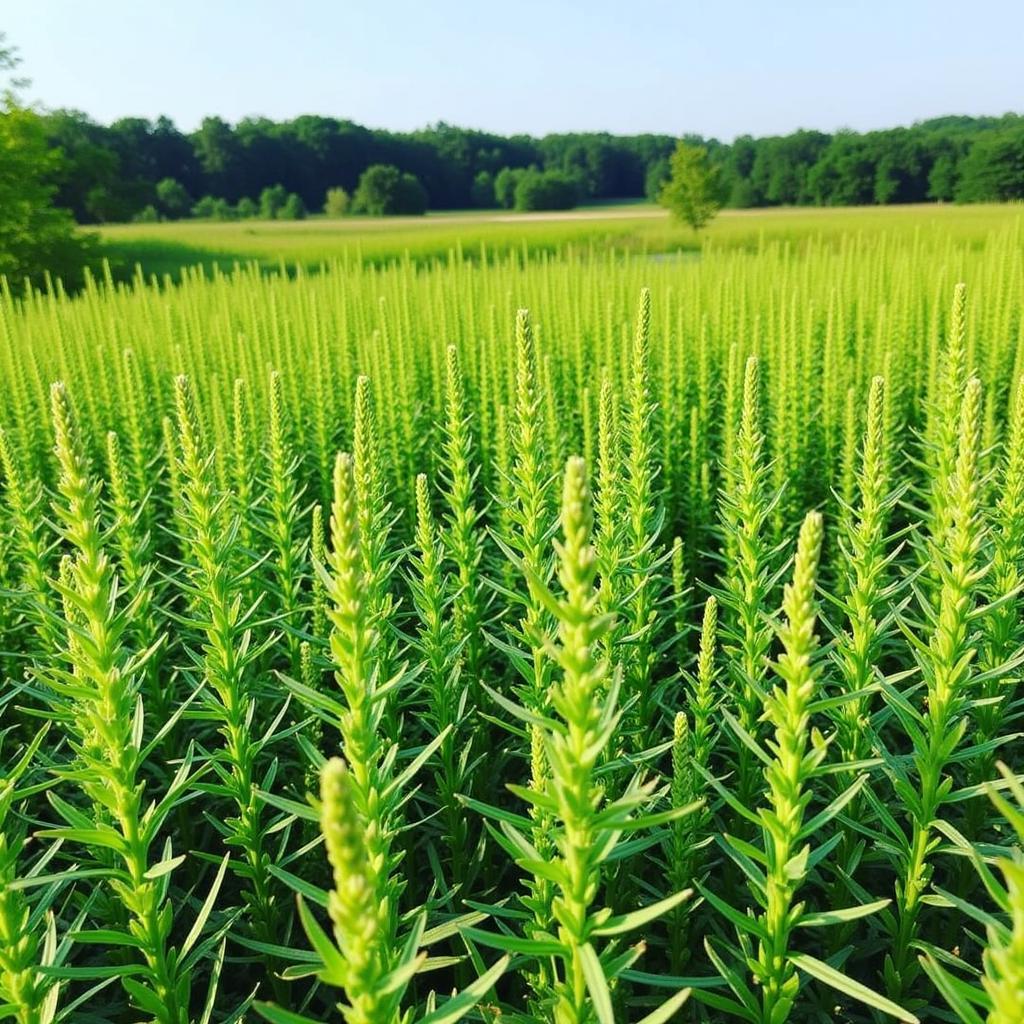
(627, 228)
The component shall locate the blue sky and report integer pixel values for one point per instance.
(715, 68)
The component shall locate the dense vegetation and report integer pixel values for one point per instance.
(651, 653)
(111, 172)
(36, 237)
(383, 190)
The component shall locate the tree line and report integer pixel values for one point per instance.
(132, 166)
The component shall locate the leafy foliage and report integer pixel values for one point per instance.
(383, 189)
(692, 190)
(36, 237)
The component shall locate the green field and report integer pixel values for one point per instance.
(634, 228)
(550, 638)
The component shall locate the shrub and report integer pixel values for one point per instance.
(293, 208)
(384, 190)
(546, 190)
(505, 183)
(147, 215)
(213, 208)
(204, 208)
(272, 199)
(172, 200)
(336, 202)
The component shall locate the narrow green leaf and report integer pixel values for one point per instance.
(597, 983)
(204, 912)
(667, 1008)
(268, 1011)
(854, 989)
(827, 917)
(628, 922)
(459, 1005)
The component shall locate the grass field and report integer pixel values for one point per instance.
(547, 639)
(628, 228)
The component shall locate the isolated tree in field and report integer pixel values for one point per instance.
(337, 202)
(692, 192)
(172, 200)
(384, 190)
(35, 236)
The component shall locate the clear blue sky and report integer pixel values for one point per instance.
(718, 68)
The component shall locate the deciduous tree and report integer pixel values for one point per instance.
(35, 236)
(692, 191)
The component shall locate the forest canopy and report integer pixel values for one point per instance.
(112, 172)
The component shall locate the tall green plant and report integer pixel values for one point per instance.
(99, 699)
(587, 823)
